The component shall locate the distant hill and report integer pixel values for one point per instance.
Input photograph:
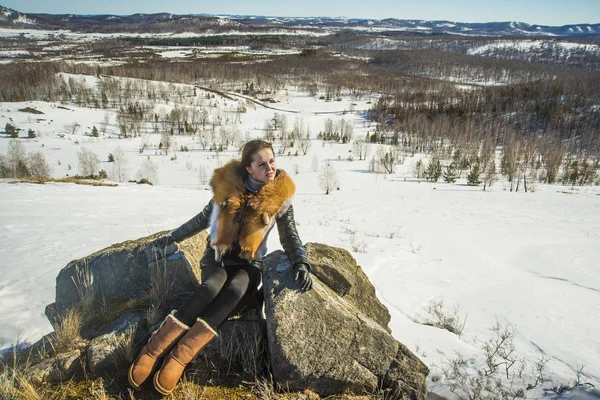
(426, 27)
(165, 22)
(12, 17)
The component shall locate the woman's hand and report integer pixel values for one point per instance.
(303, 276)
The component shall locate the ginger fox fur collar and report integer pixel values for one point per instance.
(257, 211)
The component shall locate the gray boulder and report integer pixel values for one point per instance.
(337, 269)
(121, 277)
(320, 340)
(115, 349)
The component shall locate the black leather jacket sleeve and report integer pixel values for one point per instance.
(290, 240)
(194, 225)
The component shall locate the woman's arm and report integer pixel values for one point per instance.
(194, 225)
(290, 240)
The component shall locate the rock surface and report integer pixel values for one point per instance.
(321, 341)
(57, 369)
(337, 269)
(123, 276)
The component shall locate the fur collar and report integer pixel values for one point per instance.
(244, 216)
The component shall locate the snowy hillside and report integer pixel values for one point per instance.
(525, 262)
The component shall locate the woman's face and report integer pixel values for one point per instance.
(263, 166)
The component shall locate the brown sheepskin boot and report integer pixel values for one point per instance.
(188, 348)
(161, 341)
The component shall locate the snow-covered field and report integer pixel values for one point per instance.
(528, 261)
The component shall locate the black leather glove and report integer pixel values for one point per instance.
(303, 276)
(162, 242)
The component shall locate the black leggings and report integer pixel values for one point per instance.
(221, 290)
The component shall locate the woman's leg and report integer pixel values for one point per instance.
(203, 331)
(239, 278)
(213, 278)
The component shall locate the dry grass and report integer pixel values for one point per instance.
(127, 343)
(83, 281)
(245, 350)
(76, 180)
(68, 330)
(159, 292)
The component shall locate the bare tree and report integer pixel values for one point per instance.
(202, 174)
(419, 169)
(166, 141)
(314, 164)
(119, 169)
(38, 165)
(361, 149)
(148, 170)
(489, 174)
(328, 178)
(385, 159)
(88, 162)
(305, 144)
(16, 158)
(72, 128)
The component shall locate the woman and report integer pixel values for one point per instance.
(249, 197)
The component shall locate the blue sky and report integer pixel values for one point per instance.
(545, 12)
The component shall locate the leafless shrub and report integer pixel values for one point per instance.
(471, 383)
(414, 248)
(577, 383)
(539, 372)
(358, 245)
(500, 349)
(348, 230)
(445, 319)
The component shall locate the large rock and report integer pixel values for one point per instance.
(121, 277)
(56, 369)
(116, 344)
(320, 340)
(337, 269)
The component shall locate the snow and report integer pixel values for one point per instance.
(13, 53)
(531, 46)
(176, 53)
(524, 259)
(87, 37)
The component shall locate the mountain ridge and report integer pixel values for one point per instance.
(256, 23)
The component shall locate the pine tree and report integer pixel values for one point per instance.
(433, 171)
(451, 174)
(473, 177)
(11, 130)
(94, 131)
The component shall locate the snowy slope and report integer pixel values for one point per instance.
(528, 260)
